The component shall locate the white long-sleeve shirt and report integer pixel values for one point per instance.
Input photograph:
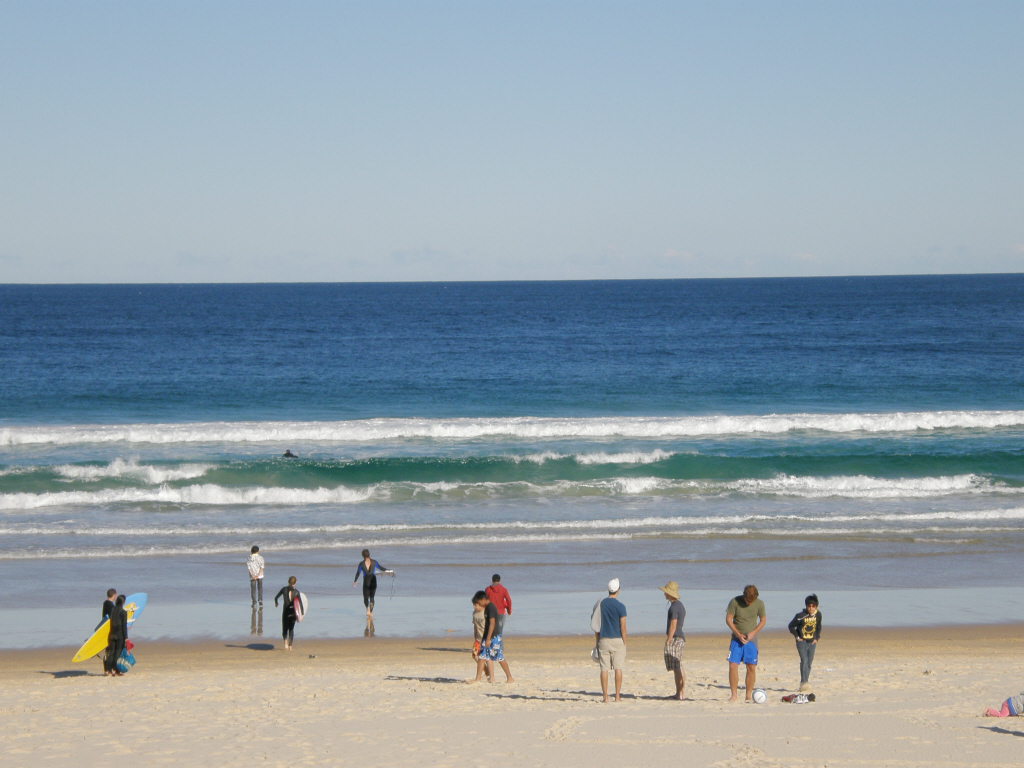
(255, 563)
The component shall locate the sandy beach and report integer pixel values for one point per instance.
(907, 697)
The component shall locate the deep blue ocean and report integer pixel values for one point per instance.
(836, 433)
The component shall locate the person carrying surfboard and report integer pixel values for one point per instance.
(289, 614)
(115, 640)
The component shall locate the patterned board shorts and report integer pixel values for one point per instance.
(492, 652)
(674, 654)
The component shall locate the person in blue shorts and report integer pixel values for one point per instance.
(491, 649)
(745, 616)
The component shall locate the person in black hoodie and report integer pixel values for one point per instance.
(806, 628)
(115, 641)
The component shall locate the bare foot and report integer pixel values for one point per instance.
(473, 680)
(734, 698)
(617, 700)
(605, 700)
(509, 680)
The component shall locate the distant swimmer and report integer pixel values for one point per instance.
(289, 455)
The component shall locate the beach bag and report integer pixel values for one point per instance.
(595, 655)
(125, 661)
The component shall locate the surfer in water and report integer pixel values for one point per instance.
(288, 454)
(115, 641)
(369, 569)
(288, 617)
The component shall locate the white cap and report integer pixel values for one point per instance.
(613, 586)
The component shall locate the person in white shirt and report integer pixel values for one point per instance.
(255, 563)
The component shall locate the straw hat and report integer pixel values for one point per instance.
(671, 589)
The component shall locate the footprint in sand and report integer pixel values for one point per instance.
(560, 730)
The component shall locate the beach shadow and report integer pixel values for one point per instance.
(447, 650)
(530, 698)
(425, 679)
(598, 694)
(253, 646)
(65, 673)
(997, 729)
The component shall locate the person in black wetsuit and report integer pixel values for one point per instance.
(115, 641)
(288, 454)
(368, 569)
(288, 617)
(108, 607)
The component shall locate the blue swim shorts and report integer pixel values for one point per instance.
(742, 654)
(492, 652)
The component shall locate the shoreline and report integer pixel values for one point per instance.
(855, 641)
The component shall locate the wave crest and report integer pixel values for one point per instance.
(369, 430)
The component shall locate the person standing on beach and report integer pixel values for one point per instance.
(478, 629)
(498, 595)
(288, 616)
(115, 640)
(806, 628)
(255, 565)
(675, 640)
(611, 639)
(368, 569)
(491, 649)
(745, 616)
(108, 607)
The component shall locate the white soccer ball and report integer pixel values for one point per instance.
(759, 696)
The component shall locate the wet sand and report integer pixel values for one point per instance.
(893, 697)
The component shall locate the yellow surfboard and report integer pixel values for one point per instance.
(94, 644)
(98, 641)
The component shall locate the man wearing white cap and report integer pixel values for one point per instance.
(611, 639)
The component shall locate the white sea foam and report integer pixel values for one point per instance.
(632, 457)
(959, 521)
(368, 430)
(280, 546)
(852, 487)
(131, 468)
(192, 495)
(625, 457)
(124, 549)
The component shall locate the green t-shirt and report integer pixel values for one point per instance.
(745, 617)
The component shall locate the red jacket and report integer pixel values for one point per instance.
(498, 595)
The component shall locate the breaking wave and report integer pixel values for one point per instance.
(523, 427)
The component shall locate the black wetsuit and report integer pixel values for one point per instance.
(115, 641)
(369, 581)
(108, 607)
(288, 613)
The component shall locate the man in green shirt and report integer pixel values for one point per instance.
(745, 616)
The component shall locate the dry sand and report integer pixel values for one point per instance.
(885, 698)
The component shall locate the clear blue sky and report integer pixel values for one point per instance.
(155, 142)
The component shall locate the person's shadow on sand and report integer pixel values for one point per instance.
(997, 729)
(425, 679)
(70, 673)
(253, 646)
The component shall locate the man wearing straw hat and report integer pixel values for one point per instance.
(675, 640)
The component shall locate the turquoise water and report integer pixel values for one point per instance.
(828, 434)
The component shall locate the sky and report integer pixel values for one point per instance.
(377, 141)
